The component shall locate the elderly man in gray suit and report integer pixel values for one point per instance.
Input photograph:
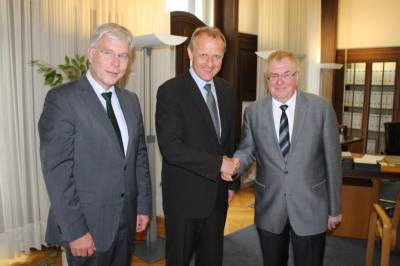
(94, 158)
(293, 137)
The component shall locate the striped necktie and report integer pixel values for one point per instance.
(284, 139)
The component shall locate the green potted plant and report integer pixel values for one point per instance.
(72, 69)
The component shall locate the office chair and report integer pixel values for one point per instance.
(387, 229)
(392, 140)
(389, 189)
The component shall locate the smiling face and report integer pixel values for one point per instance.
(108, 60)
(206, 56)
(282, 76)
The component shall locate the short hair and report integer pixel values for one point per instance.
(279, 55)
(112, 30)
(209, 31)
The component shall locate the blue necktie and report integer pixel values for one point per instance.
(284, 139)
(113, 119)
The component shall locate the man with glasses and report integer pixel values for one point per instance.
(293, 137)
(94, 158)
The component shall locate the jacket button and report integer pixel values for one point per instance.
(286, 172)
(125, 167)
(122, 195)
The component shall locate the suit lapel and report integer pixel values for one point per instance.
(129, 118)
(222, 107)
(299, 116)
(198, 100)
(94, 106)
(267, 112)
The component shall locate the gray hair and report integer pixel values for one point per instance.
(112, 30)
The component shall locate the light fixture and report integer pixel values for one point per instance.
(153, 249)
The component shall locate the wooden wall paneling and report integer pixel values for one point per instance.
(329, 13)
(337, 93)
(227, 19)
(247, 67)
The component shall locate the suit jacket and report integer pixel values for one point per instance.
(87, 177)
(307, 187)
(192, 154)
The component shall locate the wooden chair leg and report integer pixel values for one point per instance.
(385, 250)
(369, 257)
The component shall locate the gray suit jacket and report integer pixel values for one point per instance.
(307, 187)
(87, 177)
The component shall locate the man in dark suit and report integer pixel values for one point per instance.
(94, 158)
(293, 137)
(195, 121)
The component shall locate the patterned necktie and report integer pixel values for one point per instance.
(212, 107)
(284, 139)
(113, 119)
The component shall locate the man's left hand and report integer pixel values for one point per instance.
(334, 222)
(141, 222)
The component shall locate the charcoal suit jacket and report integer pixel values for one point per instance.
(192, 153)
(87, 177)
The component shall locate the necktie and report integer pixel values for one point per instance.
(212, 107)
(113, 119)
(284, 139)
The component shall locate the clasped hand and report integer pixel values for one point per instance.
(229, 167)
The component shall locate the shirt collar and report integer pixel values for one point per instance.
(289, 102)
(200, 82)
(96, 86)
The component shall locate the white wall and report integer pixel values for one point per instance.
(248, 16)
(368, 23)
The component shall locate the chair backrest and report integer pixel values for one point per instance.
(392, 139)
(385, 228)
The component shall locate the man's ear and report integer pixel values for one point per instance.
(297, 75)
(190, 53)
(90, 54)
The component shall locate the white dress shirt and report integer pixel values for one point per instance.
(98, 89)
(277, 113)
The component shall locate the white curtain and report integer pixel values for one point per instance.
(49, 30)
(292, 25)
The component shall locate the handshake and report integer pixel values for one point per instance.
(229, 168)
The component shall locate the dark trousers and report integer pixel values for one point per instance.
(307, 250)
(202, 237)
(119, 254)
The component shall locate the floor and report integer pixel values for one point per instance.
(240, 215)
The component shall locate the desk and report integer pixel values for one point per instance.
(348, 142)
(360, 190)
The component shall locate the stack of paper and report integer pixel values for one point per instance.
(368, 161)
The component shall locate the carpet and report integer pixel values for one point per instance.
(242, 248)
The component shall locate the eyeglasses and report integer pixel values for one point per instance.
(109, 54)
(273, 77)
